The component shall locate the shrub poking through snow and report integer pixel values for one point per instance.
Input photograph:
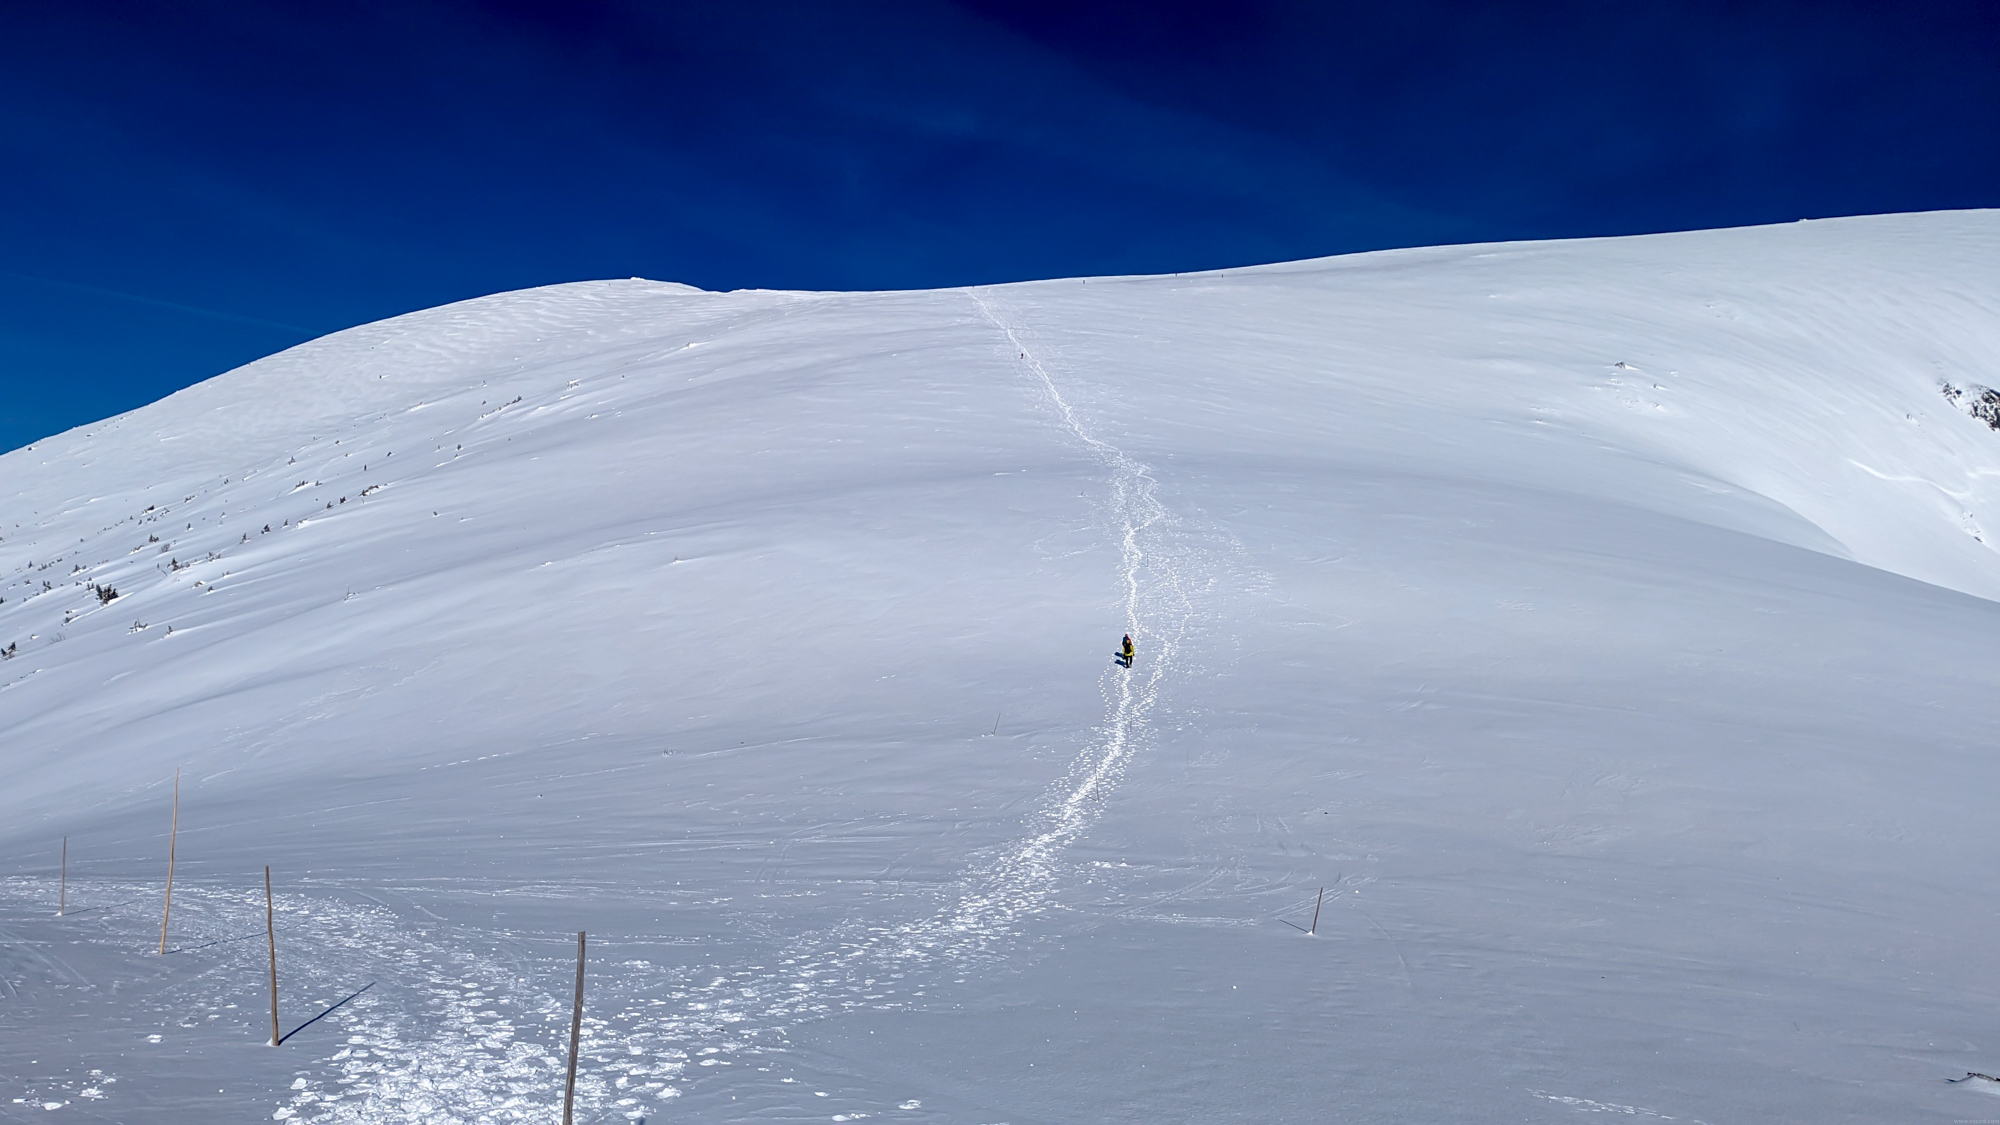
(1982, 403)
(105, 593)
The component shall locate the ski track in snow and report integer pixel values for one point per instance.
(468, 1026)
(1585, 1105)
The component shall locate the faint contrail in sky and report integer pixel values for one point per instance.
(155, 301)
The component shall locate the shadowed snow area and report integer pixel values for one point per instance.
(1607, 626)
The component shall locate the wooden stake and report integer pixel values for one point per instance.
(575, 1028)
(271, 935)
(1316, 906)
(62, 896)
(173, 837)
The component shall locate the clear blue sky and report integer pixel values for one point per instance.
(190, 185)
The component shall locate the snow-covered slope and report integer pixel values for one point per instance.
(1608, 626)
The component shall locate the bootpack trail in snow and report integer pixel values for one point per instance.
(469, 1023)
(1020, 881)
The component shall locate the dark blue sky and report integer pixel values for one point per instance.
(190, 185)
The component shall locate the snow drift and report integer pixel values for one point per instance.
(1605, 625)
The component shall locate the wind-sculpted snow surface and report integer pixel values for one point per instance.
(1604, 625)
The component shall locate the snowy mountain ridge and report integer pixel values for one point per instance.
(1602, 622)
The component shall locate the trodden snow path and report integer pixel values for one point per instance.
(1159, 608)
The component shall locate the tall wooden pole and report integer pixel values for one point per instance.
(173, 837)
(271, 935)
(62, 896)
(575, 1028)
(1316, 906)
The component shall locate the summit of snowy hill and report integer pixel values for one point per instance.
(1557, 691)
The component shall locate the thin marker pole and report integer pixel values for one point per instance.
(62, 896)
(575, 1028)
(173, 837)
(1316, 906)
(271, 935)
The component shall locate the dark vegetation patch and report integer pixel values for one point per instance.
(1982, 403)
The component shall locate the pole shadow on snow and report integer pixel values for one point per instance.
(88, 909)
(329, 1011)
(1318, 903)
